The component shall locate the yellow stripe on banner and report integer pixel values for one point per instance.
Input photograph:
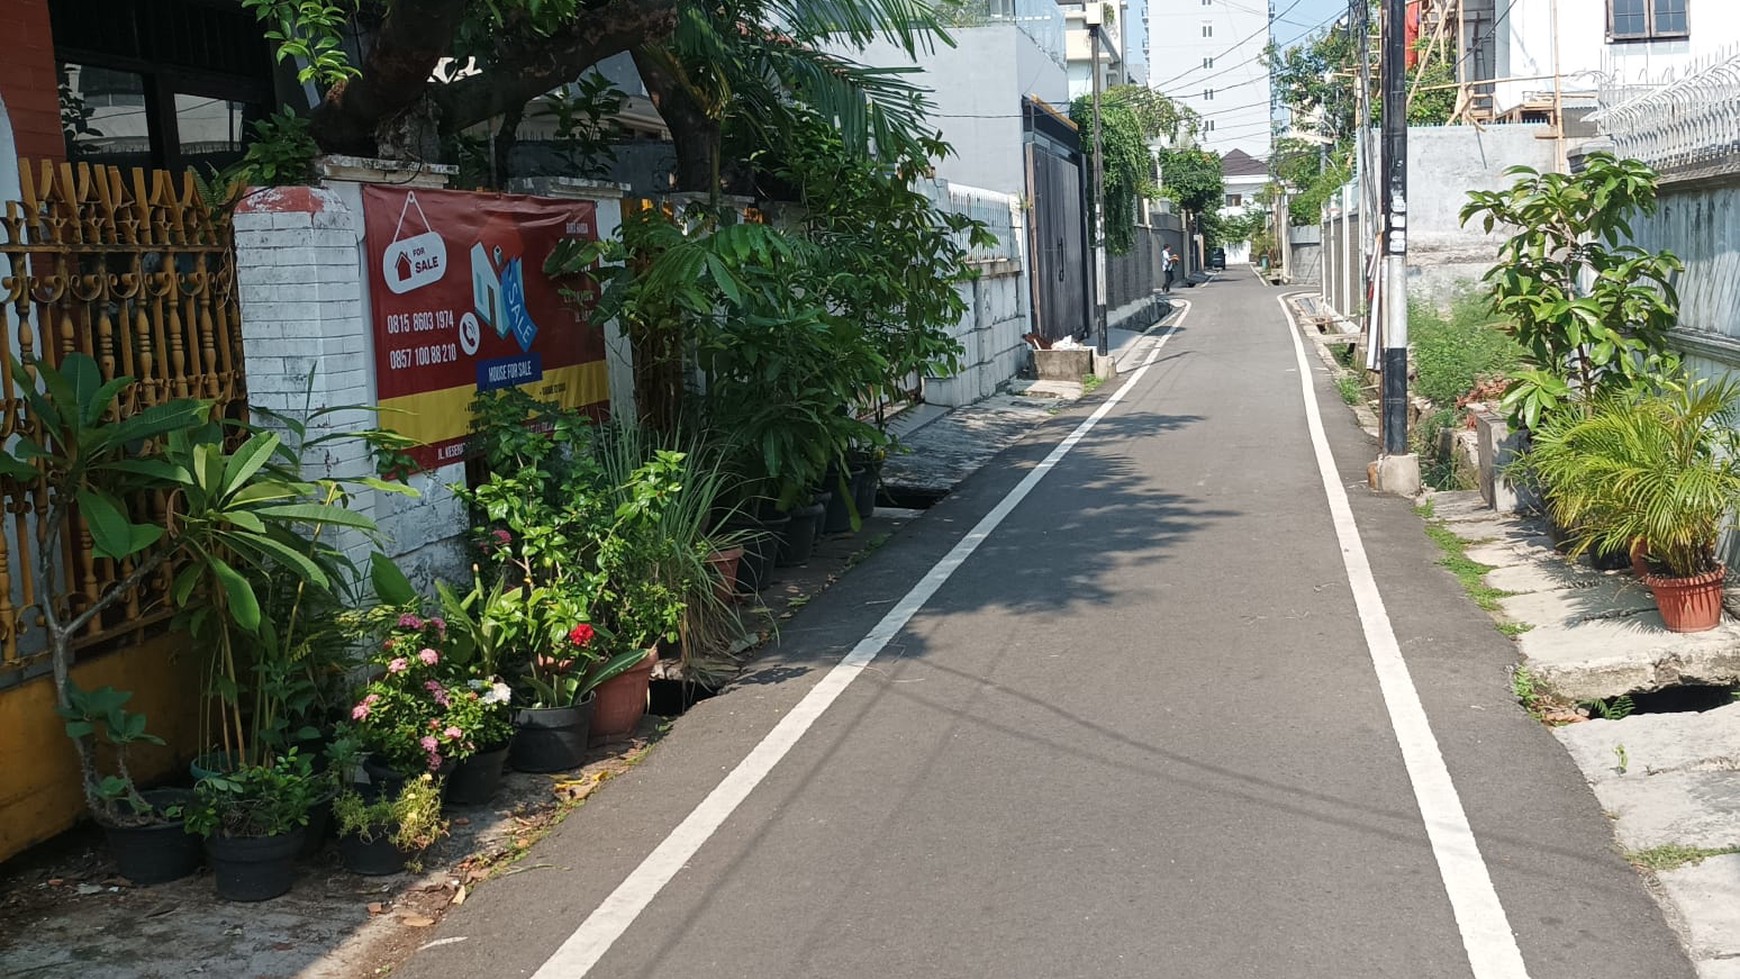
(436, 416)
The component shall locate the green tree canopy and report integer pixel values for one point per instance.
(702, 62)
(1132, 117)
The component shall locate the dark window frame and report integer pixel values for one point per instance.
(1650, 31)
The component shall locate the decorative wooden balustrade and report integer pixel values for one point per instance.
(138, 271)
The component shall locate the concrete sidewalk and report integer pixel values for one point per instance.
(1664, 767)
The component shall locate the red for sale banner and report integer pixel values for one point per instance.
(461, 304)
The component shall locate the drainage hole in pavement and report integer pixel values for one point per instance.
(1673, 700)
(672, 698)
(909, 497)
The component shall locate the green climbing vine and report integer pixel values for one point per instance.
(1131, 117)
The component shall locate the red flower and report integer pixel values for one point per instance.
(581, 635)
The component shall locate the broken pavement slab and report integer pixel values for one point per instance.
(1594, 634)
(1712, 934)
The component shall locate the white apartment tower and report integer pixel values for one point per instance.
(1208, 55)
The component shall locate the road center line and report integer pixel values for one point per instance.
(1486, 932)
(607, 923)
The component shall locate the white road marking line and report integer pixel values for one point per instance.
(607, 923)
(1486, 932)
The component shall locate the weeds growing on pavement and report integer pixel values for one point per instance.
(1670, 856)
(1471, 573)
(1610, 709)
(1514, 629)
(1091, 383)
(1351, 390)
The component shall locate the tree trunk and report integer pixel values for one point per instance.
(695, 134)
(410, 42)
(505, 139)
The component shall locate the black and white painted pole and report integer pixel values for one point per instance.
(1397, 471)
(1094, 14)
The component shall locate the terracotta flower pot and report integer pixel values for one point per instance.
(622, 699)
(725, 563)
(1689, 604)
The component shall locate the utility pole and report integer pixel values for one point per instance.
(1094, 14)
(1396, 470)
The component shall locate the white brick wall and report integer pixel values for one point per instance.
(299, 266)
(300, 269)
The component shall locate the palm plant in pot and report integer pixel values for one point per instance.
(1657, 474)
(381, 835)
(253, 821)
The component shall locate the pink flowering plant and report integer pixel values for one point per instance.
(412, 716)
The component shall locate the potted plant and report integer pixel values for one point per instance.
(252, 819)
(406, 716)
(380, 836)
(484, 709)
(566, 682)
(95, 468)
(1656, 474)
(145, 829)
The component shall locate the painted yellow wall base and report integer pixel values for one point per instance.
(39, 776)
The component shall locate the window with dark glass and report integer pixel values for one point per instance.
(159, 83)
(1644, 20)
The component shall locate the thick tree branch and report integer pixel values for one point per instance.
(529, 67)
(411, 41)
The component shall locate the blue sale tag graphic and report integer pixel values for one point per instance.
(506, 372)
(513, 295)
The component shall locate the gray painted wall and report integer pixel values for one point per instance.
(1700, 223)
(1444, 164)
(977, 87)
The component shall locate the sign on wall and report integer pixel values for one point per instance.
(461, 304)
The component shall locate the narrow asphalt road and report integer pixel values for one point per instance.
(1138, 732)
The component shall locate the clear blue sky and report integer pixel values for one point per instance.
(1291, 25)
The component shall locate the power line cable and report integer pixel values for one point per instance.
(1265, 29)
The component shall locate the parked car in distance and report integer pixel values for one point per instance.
(1217, 259)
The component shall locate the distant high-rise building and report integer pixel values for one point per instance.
(1208, 55)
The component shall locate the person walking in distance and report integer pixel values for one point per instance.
(1168, 264)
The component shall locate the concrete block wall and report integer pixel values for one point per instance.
(998, 302)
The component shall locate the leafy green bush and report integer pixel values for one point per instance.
(1454, 354)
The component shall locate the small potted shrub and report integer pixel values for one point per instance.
(404, 716)
(145, 829)
(1656, 474)
(252, 819)
(380, 836)
(552, 731)
(484, 710)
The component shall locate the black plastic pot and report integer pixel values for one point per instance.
(551, 739)
(759, 553)
(801, 533)
(253, 868)
(476, 779)
(319, 825)
(1614, 560)
(376, 858)
(864, 490)
(160, 852)
(842, 503)
(383, 781)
